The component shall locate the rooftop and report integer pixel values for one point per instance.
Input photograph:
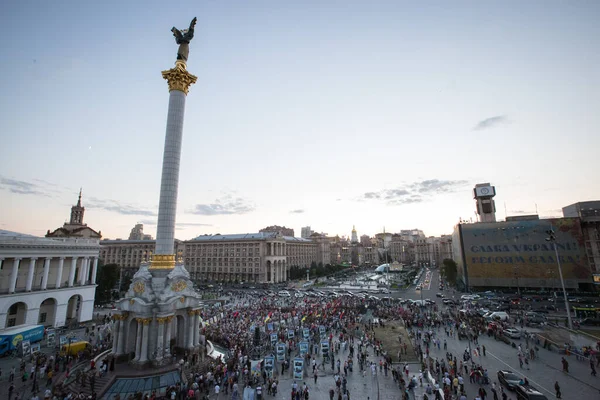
(248, 236)
(9, 237)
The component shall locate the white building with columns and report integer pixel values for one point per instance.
(47, 281)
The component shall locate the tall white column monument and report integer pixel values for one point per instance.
(161, 290)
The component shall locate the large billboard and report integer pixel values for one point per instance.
(517, 254)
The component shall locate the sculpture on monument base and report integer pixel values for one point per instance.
(183, 39)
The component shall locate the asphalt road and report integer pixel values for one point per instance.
(543, 372)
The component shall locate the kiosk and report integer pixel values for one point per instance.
(298, 368)
(269, 365)
(303, 348)
(325, 349)
(281, 352)
(306, 333)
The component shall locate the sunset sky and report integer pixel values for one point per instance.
(322, 113)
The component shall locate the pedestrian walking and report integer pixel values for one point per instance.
(557, 389)
(565, 365)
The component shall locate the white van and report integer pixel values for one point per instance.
(498, 315)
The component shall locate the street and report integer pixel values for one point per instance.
(544, 371)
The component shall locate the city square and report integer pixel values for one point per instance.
(270, 114)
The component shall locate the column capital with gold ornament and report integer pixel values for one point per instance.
(179, 78)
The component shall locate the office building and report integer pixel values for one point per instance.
(305, 232)
(589, 214)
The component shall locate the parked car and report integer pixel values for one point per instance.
(508, 379)
(535, 317)
(512, 333)
(501, 315)
(439, 295)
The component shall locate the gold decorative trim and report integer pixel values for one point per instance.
(139, 287)
(163, 261)
(120, 317)
(179, 78)
(178, 286)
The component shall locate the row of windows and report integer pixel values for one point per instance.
(220, 269)
(230, 264)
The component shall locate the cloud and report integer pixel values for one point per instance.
(22, 187)
(118, 207)
(414, 192)
(226, 205)
(437, 186)
(490, 122)
(299, 211)
(407, 200)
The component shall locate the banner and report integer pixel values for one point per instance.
(281, 352)
(298, 368)
(35, 348)
(517, 253)
(303, 347)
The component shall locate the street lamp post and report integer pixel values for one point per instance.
(552, 238)
(516, 268)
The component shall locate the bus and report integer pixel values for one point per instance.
(587, 312)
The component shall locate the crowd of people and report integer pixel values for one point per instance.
(45, 376)
(246, 325)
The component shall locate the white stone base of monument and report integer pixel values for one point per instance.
(160, 309)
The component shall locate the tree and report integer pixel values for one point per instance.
(450, 271)
(107, 278)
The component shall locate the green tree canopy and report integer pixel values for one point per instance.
(449, 270)
(107, 278)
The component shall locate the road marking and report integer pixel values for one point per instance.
(515, 371)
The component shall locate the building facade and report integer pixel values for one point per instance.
(589, 214)
(75, 227)
(129, 254)
(137, 233)
(517, 254)
(250, 257)
(305, 232)
(48, 281)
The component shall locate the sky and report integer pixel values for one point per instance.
(322, 113)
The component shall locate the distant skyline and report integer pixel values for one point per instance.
(331, 115)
